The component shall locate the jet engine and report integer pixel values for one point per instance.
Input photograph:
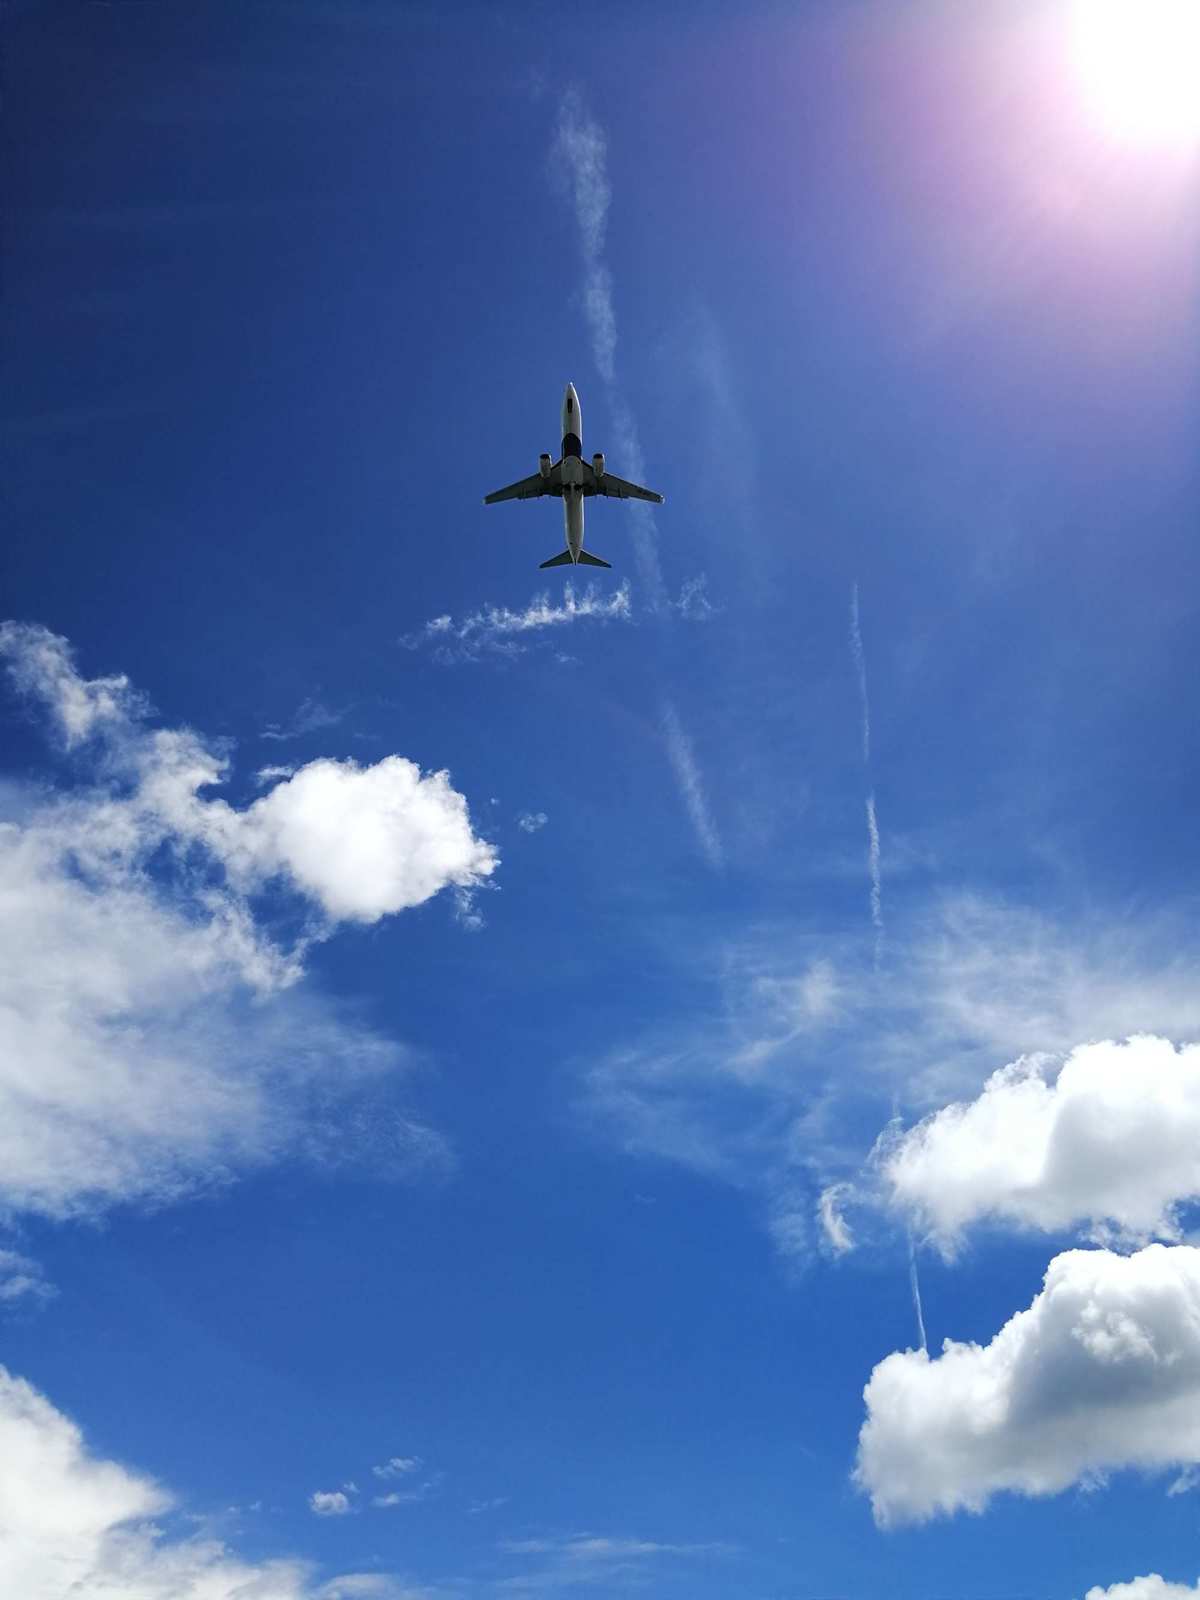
(598, 463)
(544, 464)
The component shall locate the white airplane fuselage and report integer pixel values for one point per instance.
(572, 472)
(573, 479)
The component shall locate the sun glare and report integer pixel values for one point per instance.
(1139, 61)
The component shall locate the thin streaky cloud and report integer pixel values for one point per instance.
(691, 787)
(397, 1467)
(496, 630)
(310, 717)
(22, 1281)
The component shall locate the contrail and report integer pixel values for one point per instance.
(873, 862)
(914, 1283)
(581, 153)
(687, 774)
(873, 868)
(860, 666)
(916, 1291)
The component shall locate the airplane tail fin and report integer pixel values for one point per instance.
(586, 559)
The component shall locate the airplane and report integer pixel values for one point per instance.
(573, 479)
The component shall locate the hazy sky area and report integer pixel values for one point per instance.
(681, 1081)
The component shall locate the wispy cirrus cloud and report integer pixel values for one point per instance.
(583, 1559)
(424, 1489)
(397, 1467)
(23, 1281)
(309, 717)
(499, 631)
(781, 1084)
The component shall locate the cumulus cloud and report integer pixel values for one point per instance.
(496, 630)
(531, 821)
(1151, 1587)
(1111, 1139)
(74, 1523)
(329, 1503)
(1102, 1372)
(153, 1035)
(799, 1044)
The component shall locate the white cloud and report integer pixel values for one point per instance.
(397, 1467)
(772, 1082)
(309, 717)
(1102, 1372)
(153, 1037)
(693, 603)
(585, 1558)
(329, 1503)
(22, 1280)
(987, 982)
(1151, 1587)
(836, 1232)
(1112, 1141)
(40, 665)
(691, 786)
(73, 1523)
(531, 821)
(496, 630)
(408, 1497)
(364, 842)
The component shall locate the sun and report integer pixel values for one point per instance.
(1139, 64)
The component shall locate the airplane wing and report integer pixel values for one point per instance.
(619, 489)
(527, 489)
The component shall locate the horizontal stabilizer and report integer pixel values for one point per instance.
(586, 560)
(562, 559)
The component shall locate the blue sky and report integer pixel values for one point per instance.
(494, 1065)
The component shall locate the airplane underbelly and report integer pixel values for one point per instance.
(573, 520)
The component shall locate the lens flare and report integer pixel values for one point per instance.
(1139, 65)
